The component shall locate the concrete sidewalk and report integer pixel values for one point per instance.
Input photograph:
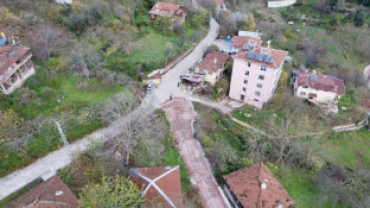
(181, 115)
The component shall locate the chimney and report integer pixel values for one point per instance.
(268, 44)
(215, 60)
(335, 88)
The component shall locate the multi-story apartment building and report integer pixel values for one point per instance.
(256, 72)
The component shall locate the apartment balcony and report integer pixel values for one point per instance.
(16, 78)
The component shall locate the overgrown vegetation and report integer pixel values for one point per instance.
(97, 168)
(300, 164)
(84, 54)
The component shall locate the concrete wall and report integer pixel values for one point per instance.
(212, 78)
(237, 82)
(322, 96)
(276, 4)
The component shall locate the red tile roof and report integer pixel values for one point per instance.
(327, 83)
(239, 41)
(170, 184)
(51, 193)
(277, 55)
(222, 57)
(210, 64)
(164, 9)
(10, 55)
(247, 183)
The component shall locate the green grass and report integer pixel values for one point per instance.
(171, 157)
(347, 100)
(150, 52)
(19, 193)
(299, 186)
(46, 91)
(352, 149)
(64, 89)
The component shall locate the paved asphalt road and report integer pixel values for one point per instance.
(48, 165)
(170, 80)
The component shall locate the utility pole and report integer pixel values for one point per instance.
(65, 141)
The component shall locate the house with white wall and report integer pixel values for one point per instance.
(176, 13)
(317, 88)
(212, 66)
(256, 72)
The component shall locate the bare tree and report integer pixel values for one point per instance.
(85, 60)
(50, 40)
(124, 40)
(140, 133)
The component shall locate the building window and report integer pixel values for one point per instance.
(244, 89)
(263, 68)
(256, 100)
(242, 97)
(259, 85)
(249, 64)
(261, 77)
(247, 73)
(303, 93)
(257, 93)
(245, 81)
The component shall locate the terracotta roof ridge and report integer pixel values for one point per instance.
(43, 190)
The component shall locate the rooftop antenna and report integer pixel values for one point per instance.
(65, 141)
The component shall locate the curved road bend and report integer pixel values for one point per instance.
(59, 159)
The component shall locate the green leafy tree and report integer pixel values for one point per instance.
(162, 23)
(117, 192)
(199, 19)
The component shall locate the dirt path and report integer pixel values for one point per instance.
(181, 114)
